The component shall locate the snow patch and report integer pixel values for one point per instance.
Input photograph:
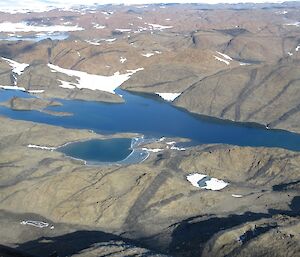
(38, 224)
(123, 59)
(13, 88)
(177, 148)
(123, 30)
(148, 55)
(159, 27)
(110, 40)
(296, 23)
(153, 150)
(66, 84)
(96, 82)
(282, 12)
(107, 13)
(297, 48)
(17, 67)
(37, 91)
(171, 143)
(98, 26)
(244, 64)
(236, 196)
(92, 42)
(168, 96)
(205, 182)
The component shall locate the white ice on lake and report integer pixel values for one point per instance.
(24, 27)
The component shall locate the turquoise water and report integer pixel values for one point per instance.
(106, 150)
(153, 117)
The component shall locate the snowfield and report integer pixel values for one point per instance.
(93, 82)
(168, 96)
(211, 183)
(17, 67)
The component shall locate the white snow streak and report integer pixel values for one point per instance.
(38, 224)
(159, 27)
(225, 56)
(42, 147)
(236, 196)
(221, 60)
(148, 55)
(13, 88)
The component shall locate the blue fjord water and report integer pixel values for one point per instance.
(154, 117)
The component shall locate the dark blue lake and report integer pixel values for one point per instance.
(155, 118)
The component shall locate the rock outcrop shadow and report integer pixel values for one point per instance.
(189, 237)
(68, 244)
